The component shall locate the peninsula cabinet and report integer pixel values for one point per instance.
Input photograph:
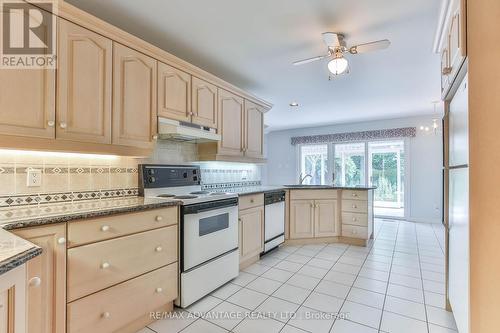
(314, 214)
(84, 85)
(46, 280)
(134, 102)
(174, 93)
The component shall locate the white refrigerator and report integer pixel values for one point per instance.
(458, 223)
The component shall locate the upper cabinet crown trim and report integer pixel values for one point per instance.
(99, 26)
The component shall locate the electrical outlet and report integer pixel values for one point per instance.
(34, 178)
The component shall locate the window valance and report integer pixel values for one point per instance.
(356, 136)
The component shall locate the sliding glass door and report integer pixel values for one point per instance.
(349, 164)
(377, 163)
(386, 168)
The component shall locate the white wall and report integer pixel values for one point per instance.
(425, 183)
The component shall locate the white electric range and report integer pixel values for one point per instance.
(209, 255)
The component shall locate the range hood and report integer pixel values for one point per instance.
(180, 131)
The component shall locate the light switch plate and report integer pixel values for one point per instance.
(34, 178)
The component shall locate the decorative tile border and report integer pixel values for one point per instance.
(45, 198)
(230, 185)
(356, 136)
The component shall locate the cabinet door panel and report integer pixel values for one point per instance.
(27, 100)
(84, 85)
(251, 232)
(204, 103)
(134, 91)
(325, 220)
(456, 37)
(230, 124)
(46, 280)
(254, 130)
(301, 219)
(174, 93)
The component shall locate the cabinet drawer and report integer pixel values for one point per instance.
(354, 231)
(250, 201)
(112, 309)
(313, 194)
(354, 195)
(100, 265)
(94, 230)
(355, 218)
(355, 206)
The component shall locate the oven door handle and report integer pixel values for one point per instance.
(202, 210)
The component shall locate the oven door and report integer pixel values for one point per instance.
(209, 230)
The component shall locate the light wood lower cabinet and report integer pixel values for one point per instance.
(301, 219)
(313, 218)
(111, 310)
(251, 232)
(4, 311)
(134, 101)
(84, 86)
(46, 279)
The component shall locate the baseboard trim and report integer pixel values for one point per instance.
(424, 220)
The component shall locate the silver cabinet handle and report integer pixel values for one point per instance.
(35, 282)
(63, 125)
(105, 228)
(354, 195)
(105, 315)
(155, 137)
(354, 219)
(51, 123)
(105, 265)
(158, 249)
(354, 206)
(159, 218)
(159, 290)
(61, 240)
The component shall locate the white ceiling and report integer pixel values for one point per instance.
(253, 43)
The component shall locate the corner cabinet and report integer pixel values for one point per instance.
(46, 280)
(84, 89)
(134, 102)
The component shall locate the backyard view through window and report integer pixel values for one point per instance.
(377, 163)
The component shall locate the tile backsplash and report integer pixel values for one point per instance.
(69, 175)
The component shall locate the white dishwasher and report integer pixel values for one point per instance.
(274, 219)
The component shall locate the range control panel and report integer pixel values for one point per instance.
(155, 176)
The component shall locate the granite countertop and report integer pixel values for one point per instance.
(327, 187)
(252, 189)
(272, 188)
(15, 251)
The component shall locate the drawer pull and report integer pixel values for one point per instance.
(105, 265)
(354, 194)
(316, 206)
(61, 240)
(159, 290)
(251, 201)
(158, 249)
(105, 315)
(354, 206)
(159, 218)
(105, 228)
(35, 282)
(354, 219)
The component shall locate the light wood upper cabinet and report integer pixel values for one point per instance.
(46, 280)
(84, 85)
(134, 91)
(27, 101)
(174, 93)
(204, 103)
(251, 232)
(456, 36)
(231, 110)
(254, 130)
(325, 218)
(301, 219)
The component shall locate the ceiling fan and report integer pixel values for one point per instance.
(337, 47)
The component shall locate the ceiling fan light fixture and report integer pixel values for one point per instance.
(338, 65)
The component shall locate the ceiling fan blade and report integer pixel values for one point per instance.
(331, 39)
(306, 61)
(368, 47)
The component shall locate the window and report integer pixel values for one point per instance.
(314, 164)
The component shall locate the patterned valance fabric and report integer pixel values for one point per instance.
(356, 136)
